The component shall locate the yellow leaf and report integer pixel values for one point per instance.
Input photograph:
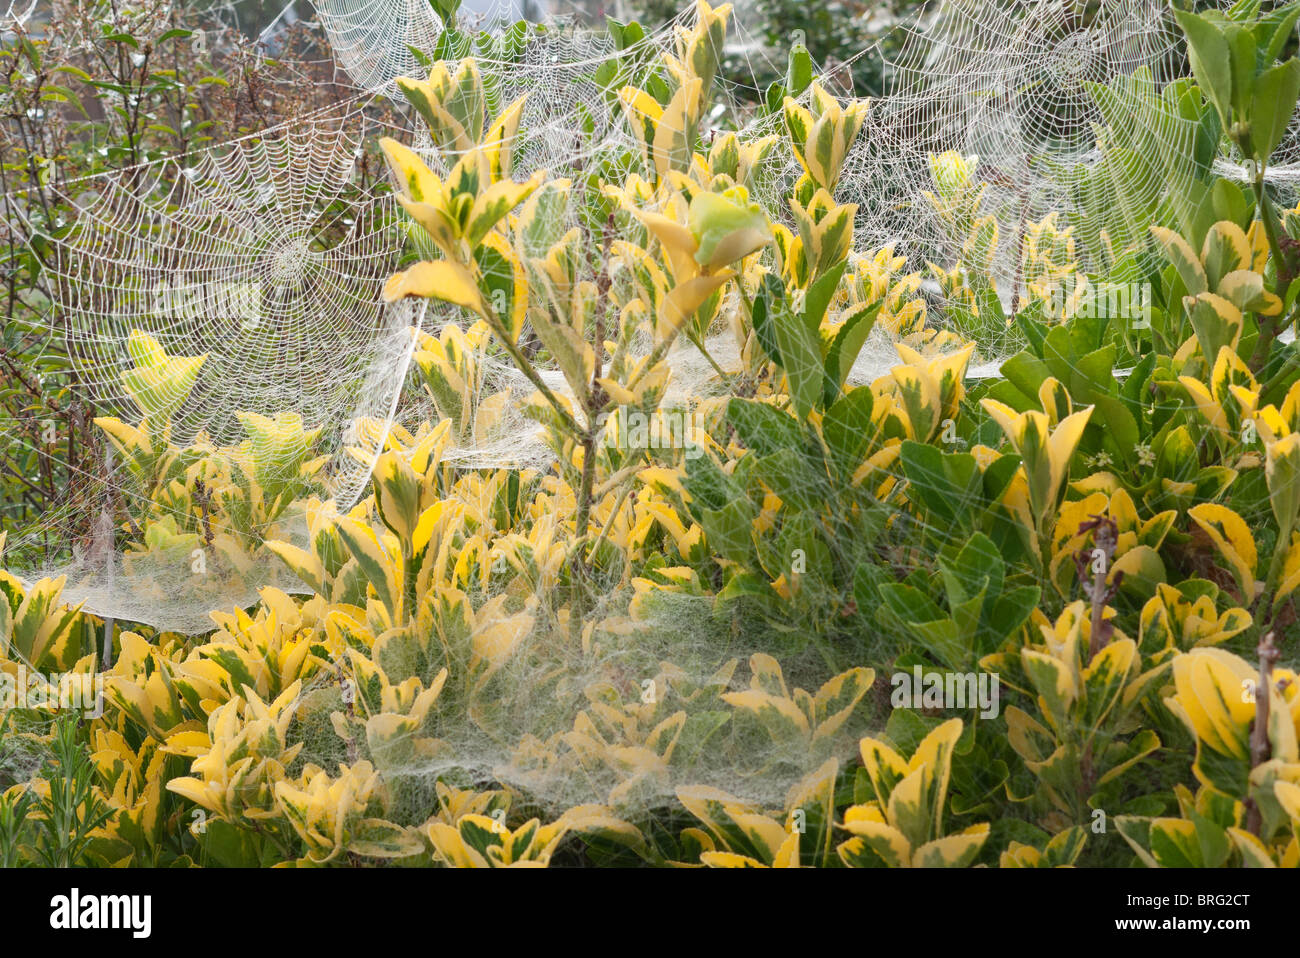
(435, 279)
(1232, 537)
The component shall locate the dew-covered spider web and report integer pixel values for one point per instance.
(17, 12)
(261, 257)
(256, 269)
(998, 116)
(1283, 170)
(373, 40)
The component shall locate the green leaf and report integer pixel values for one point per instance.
(846, 345)
(801, 354)
(774, 97)
(1274, 104)
(709, 486)
(1281, 22)
(1241, 47)
(819, 296)
(911, 606)
(846, 427)
(1026, 372)
(768, 305)
(728, 530)
(942, 483)
(763, 428)
(799, 70)
(1207, 48)
(789, 474)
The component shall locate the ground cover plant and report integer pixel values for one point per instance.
(678, 521)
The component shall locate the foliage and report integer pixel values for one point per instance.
(1120, 551)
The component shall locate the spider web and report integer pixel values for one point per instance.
(17, 12)
(1013, 87)
(260, 257)
(372, 40)
(266, 258)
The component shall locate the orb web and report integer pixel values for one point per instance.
(262, 257)
(1019, 91)
(372, 40)
(266, 259)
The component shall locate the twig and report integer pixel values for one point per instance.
(1260, 749)
(1105, 535)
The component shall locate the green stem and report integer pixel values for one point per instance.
(593, 404)
(578, 608)
(526, 367)
(1044, 550)
(604, 532)
(1275, 565)
(1268, 326)
(699, 344)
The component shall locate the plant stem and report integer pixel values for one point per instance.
(699, 344)
(526, 367)
(593, 403)
(1269, 327)
(1260, 750)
